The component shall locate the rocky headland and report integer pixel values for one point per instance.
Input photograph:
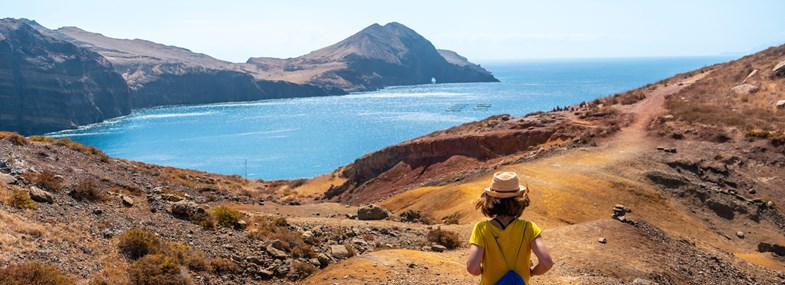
(84, 68)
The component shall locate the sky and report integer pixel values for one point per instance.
(480, 30)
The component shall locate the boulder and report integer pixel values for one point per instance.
(771, 247)
(128, 201)
(745, 89)
(241, 225)
(39, 195)
(7, 178)
(324, 259)
(339, 251)
(781, 104)
(275, 252)
(438, 248)
(185, 209)
(740, 235)
(372, 212)
(779, 69)
(666, 180)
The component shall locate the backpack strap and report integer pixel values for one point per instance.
(504, 258)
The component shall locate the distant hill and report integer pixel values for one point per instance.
(48, 84)
(376, 57)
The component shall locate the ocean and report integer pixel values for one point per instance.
(306, 137)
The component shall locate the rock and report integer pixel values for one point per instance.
(740, 235)
(171, 198)
(779, 69)
(721, 208)
(602, 240)
(264, 273)
(39, 195)
(641, 281)
(745, 89)
(781, 104)
(771, 247)
(276, 253)
(128, 201)
(255, 260)
(324, 259)
(438, 248)
(7, 178)
(241, 225)
(308, 237)
(750, 75)
(372, 212)
(666, 180)
(185, 209)
(410, 216)
(339, 251)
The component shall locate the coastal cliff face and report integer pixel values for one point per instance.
(166, 75)
(376, 57)
(47, 84)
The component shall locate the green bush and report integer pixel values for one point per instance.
(33, 273)
(156, 269)
(226, 217)
(448, 239)
(138, 243)
(21, 200)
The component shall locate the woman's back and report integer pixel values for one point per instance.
(502, 246)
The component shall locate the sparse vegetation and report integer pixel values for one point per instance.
(446, 238)
(296, 183)
(21, 200)
(222, 265)
(14, 138)
(300, 270)
(45, 179)
(138, 243)
(452, 219)
(33, 273)
(226, 217)
(271, 228)
(89, 189)
(156, 269)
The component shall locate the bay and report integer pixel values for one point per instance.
(305, 137)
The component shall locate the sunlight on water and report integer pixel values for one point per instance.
(291, 138)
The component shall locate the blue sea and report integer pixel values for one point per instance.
(306, 137)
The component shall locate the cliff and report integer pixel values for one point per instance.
(167, 75)
(48, 84)
(376, 57)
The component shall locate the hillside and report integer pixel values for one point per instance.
(376, 57)
(676, 196)
(70, 86)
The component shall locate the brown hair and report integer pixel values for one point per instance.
(513, 207)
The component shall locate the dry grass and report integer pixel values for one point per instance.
(222, 265)
(446, 238)
(300, 270)
(157, 269)
(21, 200)
(226, 217)
(14, 138)
(33, 273)
(45, 179)
(88, 189)
(271, 228)
(138, 243)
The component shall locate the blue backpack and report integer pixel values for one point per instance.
(511, 277)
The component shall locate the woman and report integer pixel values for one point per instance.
(505, 243)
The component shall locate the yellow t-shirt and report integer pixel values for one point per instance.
(493, 266)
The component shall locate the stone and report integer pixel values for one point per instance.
(254, 260)
(438, 248)
(324, 259)
(602, 240)
(7, 178)
(740, 235)
(308, 237)
(339, 251)
(779, 69)
(372, 212)
(264, 273)
(171, 198)
(241, 225)
(745, 89)
(184, 209)
(39, 195)
(128, 201)
(781, 104)
(750, 75)
(771, 247)
(276, 253)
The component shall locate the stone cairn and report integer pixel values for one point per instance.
(618, 213)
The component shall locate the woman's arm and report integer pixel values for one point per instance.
(473, 264)
(541, 251)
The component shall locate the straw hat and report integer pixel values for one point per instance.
(506, 185)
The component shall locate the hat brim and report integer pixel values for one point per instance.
(503, 195)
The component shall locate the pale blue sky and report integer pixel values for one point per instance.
(479, 30)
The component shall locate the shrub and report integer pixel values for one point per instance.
(226, 217)
(203, 219)
(271, 228)
(222, 265)
(138, 243)
(21, 200)
(88, 189)
(296, 183)
(300, 270)
(46, 179)
(16, 139)
(41, 139)
(452, 219)
(156, 269)
(197, 261)
(33, 273)
(446, 238)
